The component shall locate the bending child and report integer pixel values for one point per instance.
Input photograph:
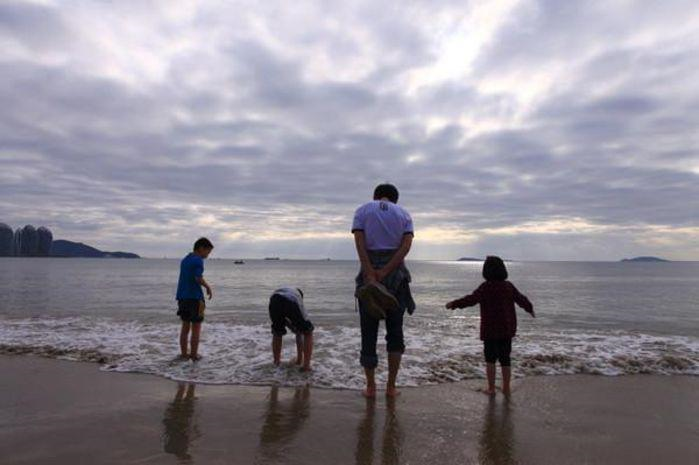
(286, 310)
(497, 298)
(190, 298)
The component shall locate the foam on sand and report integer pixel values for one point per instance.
(437, 352)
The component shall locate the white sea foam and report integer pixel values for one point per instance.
(437, 351)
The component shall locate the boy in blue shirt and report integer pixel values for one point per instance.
(190, 298)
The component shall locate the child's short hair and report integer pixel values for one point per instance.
(388, 191)
(203, 243)
(494, 269)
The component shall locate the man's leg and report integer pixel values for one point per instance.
(394, 359)
(194, 341)
(368, 359)
(395, 346)
(307, 351)
(184, 335)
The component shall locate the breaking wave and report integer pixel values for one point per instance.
(437, 352)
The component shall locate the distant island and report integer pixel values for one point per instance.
(469, 259)
(38, 242)
(644, 259)
(63, 248)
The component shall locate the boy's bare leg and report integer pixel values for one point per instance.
(194, 341)
(307, 351)
(299, 349)
(276, 349)
(506, 376)
(370, 391)
(393, 367)
(184, 335)
(490, 374)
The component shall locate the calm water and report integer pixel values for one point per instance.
(605, 318)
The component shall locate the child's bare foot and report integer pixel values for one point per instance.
(306, 368)
(195, 357)
(369, 392)
(392, 392)
(489, 391)
(182, 357)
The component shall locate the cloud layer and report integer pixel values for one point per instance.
(531, 129)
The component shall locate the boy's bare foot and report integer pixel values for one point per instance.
(392, 392)
(369, 392)
(195, 357)
(487, 391)
(306, 368)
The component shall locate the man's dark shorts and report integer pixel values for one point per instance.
(286, 314)
(497, 350)
(191, 310)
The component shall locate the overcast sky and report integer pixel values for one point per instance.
(530, 129)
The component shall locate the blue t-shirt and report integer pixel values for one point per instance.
(191, 267)
(384, 224)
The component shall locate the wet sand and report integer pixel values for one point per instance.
(55, 412)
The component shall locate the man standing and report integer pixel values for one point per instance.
(383, 234)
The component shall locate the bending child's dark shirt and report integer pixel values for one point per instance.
(497, 301)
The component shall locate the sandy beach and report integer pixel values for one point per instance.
(55, 412)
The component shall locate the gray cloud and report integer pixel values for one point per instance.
(265, 129)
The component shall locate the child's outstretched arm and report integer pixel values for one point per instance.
(466, 301)
(522, 300)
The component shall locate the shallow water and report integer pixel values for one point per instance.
(603, 318)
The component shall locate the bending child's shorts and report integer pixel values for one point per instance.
(286, 314)
(497, 350)
(191, 310)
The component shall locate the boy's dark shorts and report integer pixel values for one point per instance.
(191, 310)
(286, 314)
(498, 350)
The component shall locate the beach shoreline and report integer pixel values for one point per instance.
(57, 411)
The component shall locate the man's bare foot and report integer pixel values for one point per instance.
(195, 357)
(369, 392)
(392, 392)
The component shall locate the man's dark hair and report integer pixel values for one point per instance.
(388, 191)
(203, 243)
(494, 269)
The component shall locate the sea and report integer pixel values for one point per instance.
(599, 318)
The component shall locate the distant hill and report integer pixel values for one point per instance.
(469, 259)
(644, 259)
(63, 248)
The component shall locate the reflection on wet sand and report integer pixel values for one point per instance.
(283, 421)
(179, 431)
(392, 440)
(497, 438)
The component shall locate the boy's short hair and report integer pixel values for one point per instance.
(203, 243)
(386, 190)
(494, 269)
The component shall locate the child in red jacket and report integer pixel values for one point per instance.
(497, 297)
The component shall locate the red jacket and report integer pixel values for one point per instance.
(497, 300)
